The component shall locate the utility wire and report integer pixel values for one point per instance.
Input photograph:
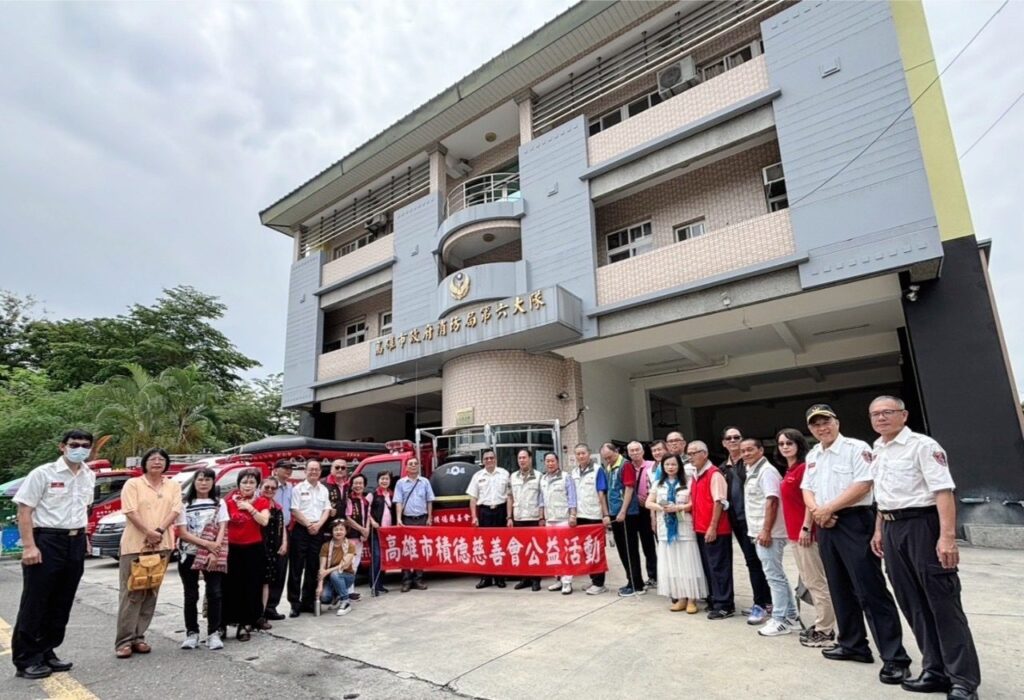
(992, 126)
(899, 116)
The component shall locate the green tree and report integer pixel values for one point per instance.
(254, 412)
(15, 316)
(187, 402)
(131, 410)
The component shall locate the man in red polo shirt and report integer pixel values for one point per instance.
(714, 535)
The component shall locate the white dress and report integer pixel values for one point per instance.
(680, 574)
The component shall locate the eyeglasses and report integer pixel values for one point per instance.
(695, 452)
(733, 438)
(270, 488)
(78, 444)
(341, 469)
(886, 413)
(785, 443)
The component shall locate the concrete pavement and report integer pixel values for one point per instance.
(453, 640)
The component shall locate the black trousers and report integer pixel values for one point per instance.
(303, 566)
(214, 596)
(716, 558)
(929, 597)
(527, 523)
(280, 581)
(758, 583)
(858, 588)
(243, 584)
(47, 594)
(649, 544)
(627, 541)
(596, 579)
(409, 575)
(492, 517)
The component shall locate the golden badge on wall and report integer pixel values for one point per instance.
(459, 286)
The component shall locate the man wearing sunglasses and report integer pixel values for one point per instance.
(735, 472)
(53, 504)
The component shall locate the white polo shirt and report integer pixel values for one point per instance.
(763, 482)
(60, 497)
(830, 471)
(310, 500)
(489, 488)
(908, 470)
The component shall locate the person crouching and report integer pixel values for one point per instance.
(337, 569)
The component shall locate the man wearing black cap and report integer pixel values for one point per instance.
(916, 533)
(837, 490)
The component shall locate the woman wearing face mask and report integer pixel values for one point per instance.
(790, 450)
(382, 514)
(202, 526)
(248, 514)
(274, 542)
(151, 505)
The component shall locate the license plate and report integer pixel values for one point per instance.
(96, 552)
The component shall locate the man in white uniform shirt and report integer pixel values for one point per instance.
(916, 533)
(311, 507)
(488, 494)
(837, 490)
(53, 503)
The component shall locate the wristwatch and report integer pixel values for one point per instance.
(805, 529)
(160, 530)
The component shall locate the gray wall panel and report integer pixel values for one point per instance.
(558, 232)
(826, 119)
(414, 288)
(304, 329)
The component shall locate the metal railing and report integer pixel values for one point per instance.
(493, 187)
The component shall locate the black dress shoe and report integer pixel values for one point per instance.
(500, 583)
(273, 615)
(837, 653)
(483, 583)
(958, 692)
(57, 665)
(419, 585)
(36, 671)
(294, 612)
(381, 589)
(525, 583)
(536, 584)
(893, 673)
(927, 682)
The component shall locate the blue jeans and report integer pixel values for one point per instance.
(783, 602)
(336, 586)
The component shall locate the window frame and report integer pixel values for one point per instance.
(351, 246)
(354, 335)
(384, 328)
(782, 200)
(652, 99)
(630, 247)
(679, 228)
(755, 46)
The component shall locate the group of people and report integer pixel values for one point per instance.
(842, 506)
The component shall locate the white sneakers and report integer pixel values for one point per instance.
(345, 609)
(191, 642)
(596, 590)
(556, 586)
(775, 628)
(566, 588)
(213, 642)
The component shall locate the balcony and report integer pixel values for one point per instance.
(493, 187)
(482, 215)
(750, 243)
(699, 102)
(370, 256)
(346, 362)
(479, 283)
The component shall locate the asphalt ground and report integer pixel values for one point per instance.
(455, 641)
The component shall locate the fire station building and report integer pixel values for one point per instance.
(656, 216)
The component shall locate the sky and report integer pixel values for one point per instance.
(139, 141)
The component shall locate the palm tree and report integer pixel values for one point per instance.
(187, 404)
(131, 410)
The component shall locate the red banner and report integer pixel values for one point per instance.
(496, 551)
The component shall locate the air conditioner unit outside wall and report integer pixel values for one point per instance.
(677, 77)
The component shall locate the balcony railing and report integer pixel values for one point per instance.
(494, 187)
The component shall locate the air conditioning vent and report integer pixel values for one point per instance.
(378, 222)
(677, 77)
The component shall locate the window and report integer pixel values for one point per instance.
(354, 245)
(775, 187)
(731, 60)
(384, 323)
(629, 242)
(623, 112)
(332, 345)
(355, 332)
(688, 231)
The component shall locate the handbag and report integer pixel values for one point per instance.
(203, 560)
(147, 572)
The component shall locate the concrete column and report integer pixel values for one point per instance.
(438, 177)
(524, 101)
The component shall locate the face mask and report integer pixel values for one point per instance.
(78, 454)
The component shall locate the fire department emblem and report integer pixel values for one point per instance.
(868, 456)
(940, 457)
(459, 286)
